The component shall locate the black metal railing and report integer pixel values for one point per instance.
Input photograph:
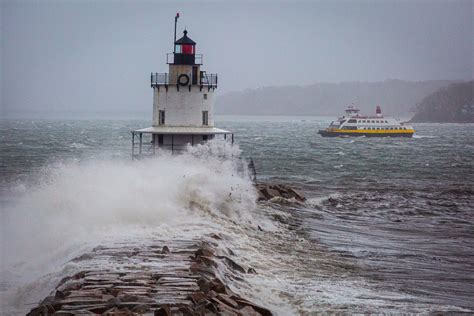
(163, 79)
(197, 58)
(208, 80)
(158, 79)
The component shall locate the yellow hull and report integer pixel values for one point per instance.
(332, 132)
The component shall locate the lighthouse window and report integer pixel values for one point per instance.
(161, 118)
(205, 118)
(205, 96)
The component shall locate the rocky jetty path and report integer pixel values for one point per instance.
(176, 278)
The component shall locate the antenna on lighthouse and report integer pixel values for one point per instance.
(175, 23)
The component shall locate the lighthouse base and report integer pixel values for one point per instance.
(148, 141)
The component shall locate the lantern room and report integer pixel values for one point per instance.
(184, 50)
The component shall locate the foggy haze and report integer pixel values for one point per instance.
(95, 56)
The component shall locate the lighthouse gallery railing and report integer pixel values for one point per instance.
(163, 79)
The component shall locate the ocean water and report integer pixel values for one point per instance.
(388, 226)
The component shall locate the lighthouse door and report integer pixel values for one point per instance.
(195, 74)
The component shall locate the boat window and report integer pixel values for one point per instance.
(386, 122)
(373, 121)
(352, 121)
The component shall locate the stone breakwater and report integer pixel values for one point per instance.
(179, 278)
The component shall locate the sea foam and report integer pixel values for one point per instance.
(74, 206)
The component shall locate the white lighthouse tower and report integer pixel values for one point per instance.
(183, 103)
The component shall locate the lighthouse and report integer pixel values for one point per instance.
(183, 103)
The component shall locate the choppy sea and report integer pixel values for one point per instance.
(388, 226)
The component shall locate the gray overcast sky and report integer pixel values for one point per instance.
(98, 55)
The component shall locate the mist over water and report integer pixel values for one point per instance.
(387, 226)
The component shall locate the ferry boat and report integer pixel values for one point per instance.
(354, 124)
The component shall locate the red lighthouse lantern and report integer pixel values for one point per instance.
(185, 50)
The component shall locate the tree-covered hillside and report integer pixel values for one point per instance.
(396, 97)
(452, 104)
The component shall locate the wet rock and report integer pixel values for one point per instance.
(86, 256)
(59, 295)
(118, 312)
(249, 311)
(198, 297)
(64, 280)
(127, 298)
(217, 286)
(204, 252)
(262, 311)
(271, 193)
(261, 196)
(165, 250)
(227, 300)
(163, 311)
(141, 309)
(79, 275)
(278, 192)
(215, 236)
(233, 265)
(251, 271)
(207, 261)
(42, 310)
(297, 195)
(231, 252)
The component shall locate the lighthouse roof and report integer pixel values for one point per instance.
(185, 40)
